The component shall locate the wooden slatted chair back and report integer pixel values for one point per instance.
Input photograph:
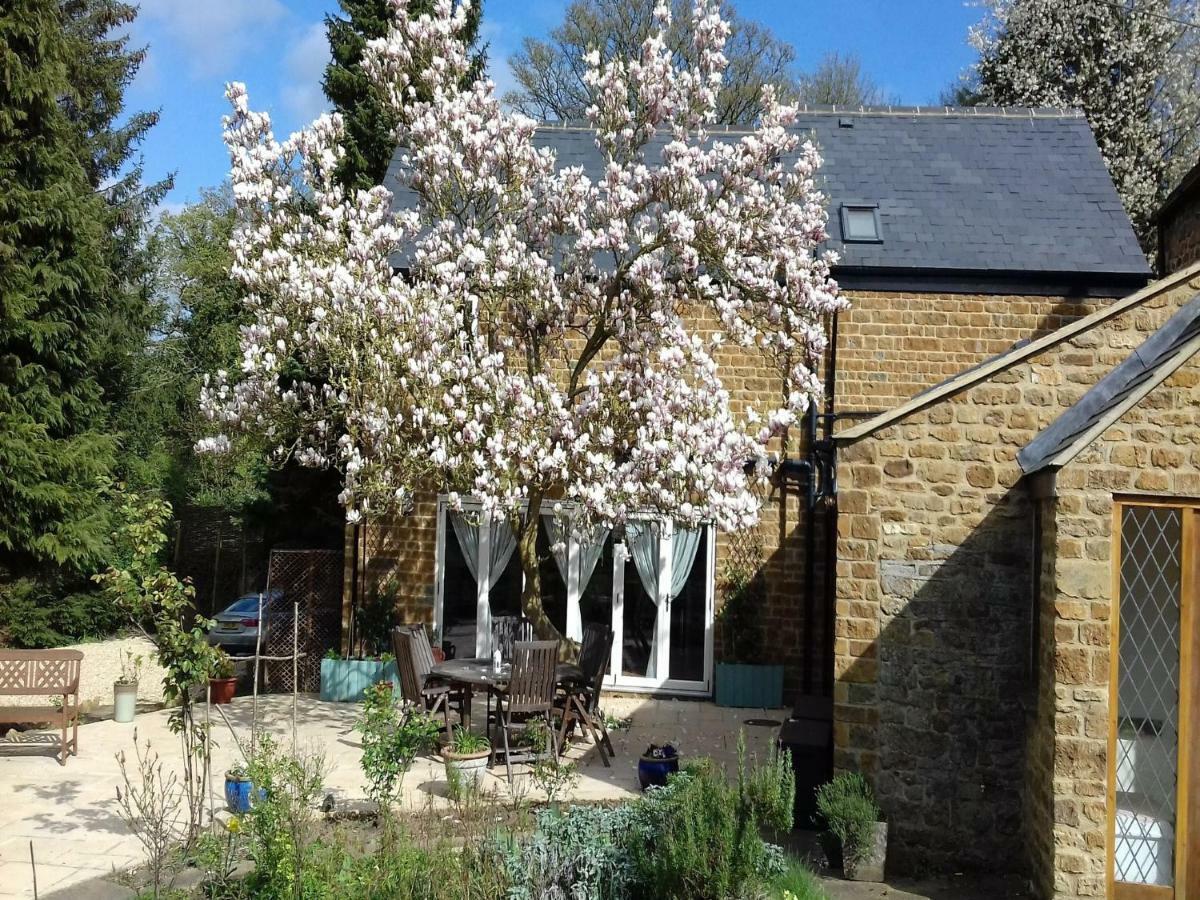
(531, 686)
(595, 666)
(507, 631)
(410, 681)
(39, 672)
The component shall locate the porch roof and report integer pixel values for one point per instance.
(1160, 355)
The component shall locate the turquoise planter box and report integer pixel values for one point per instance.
(346, 680)
(742, 684)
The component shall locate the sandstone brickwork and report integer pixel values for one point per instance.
(889, 347)
(1179, 233)
(983, 743)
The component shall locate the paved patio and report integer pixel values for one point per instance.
(71, 817)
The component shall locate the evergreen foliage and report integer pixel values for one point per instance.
(370, 125)
(53, 266)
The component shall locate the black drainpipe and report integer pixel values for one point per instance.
(830, 497)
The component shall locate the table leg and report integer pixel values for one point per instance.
(466, 707)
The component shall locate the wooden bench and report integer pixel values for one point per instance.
(43, 673)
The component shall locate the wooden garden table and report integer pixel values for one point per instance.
(475, 674)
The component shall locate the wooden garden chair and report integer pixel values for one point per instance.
(528, 696)
(581, 699)
(414, 660)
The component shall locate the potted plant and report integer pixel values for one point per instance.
(658, 762)
(222, 684)
(847, 807)
(125, 688)
(743, 679)
(239, 790)
(466, 755)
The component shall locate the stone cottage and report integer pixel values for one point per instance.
(1016, 623)
(960, 234)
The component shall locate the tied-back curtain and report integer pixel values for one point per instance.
(643, 543)
(503, 543)
(683, 556)
(642, 539)
(589, 549)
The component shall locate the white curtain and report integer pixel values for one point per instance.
(643, 542)
(642, 539)
(503, 543)
(590, 548)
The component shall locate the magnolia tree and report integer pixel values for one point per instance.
(517, 334)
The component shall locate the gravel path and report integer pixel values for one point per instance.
(102, 666)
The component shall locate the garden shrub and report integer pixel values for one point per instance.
(847, 807)
(279, 823)
(579, 854)
(40, 614)
(393, 733)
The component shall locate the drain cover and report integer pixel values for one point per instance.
(763, 723)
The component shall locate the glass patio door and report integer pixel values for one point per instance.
(1154, 779)
(662, 609)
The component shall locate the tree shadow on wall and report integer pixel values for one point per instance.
(949, 677)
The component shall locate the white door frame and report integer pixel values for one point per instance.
(632, 683)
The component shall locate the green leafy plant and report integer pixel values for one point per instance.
(162, 607)
(393, 733)
(278, 825)
(466, 742)
(549, 771)
(698, 838)
(224, 667)
(847, 807)
(739, 621)
(131, 667)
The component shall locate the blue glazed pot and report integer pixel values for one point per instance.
(652, 771)
(238, 793)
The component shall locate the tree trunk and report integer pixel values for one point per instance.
(531, 596)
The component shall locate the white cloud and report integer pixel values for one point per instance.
(214, 33)
(303, 67)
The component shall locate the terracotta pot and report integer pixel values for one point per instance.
(221, 690)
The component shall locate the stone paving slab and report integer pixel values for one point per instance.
(71, 815)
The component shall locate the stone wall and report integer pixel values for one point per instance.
(892, 346)
(941, 700)
(889, 347)
(1179, 234)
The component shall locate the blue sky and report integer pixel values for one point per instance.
(912, 48)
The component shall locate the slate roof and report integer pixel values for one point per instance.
(958, 190)
(1147, 367)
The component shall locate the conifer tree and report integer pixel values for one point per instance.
(101, 65)
(370, 124)
(52, 266)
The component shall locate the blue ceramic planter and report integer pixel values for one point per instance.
(746, 685)
(653, 771)
(238, 793)
(346, 680)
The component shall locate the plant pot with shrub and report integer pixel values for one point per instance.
(125, 689)
(466, 755)
(222, 684)
(743, 679)
(846, 806)
(657, 764)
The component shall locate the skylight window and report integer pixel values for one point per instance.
(860, 224)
